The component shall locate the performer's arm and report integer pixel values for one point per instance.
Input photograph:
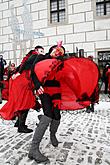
(34, 77)
(27, 65)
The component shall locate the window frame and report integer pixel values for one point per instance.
(95, 13)
(49, 15)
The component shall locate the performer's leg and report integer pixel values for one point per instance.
(54, 127)
(34, 152)
(37, 106)
(22, 128)
(45, 120)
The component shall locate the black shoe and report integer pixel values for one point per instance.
(24, 129)
(44, 162)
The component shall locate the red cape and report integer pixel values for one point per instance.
(78, 78)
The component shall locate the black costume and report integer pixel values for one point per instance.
(2, 63)
(46, 99)
(105, 78)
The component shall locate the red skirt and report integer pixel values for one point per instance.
(21, 96)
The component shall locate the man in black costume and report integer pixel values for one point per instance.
(51, 112)
(2, 63)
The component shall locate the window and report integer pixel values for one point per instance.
(102, 7)
(57, 11)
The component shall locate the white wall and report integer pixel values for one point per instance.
(82, 30)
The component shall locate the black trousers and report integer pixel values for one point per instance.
(48, 108)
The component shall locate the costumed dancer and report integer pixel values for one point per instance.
(25, 65)
(21, 98)
(105, 78)
(108, 77)
(50, 92)
(50, 96)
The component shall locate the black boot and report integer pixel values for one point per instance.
(34, 152)
(22, 128)
(53, 129)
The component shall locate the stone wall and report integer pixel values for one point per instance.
(82, 29)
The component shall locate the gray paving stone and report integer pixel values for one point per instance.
(63, 155)
(84, 139)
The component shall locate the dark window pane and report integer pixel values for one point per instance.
(62, 16)
(100, 10)
(108, 8)
(102, 7)
(54, 17)
(57, 11)
(61, 4)
(54, 6)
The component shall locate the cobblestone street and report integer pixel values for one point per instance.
(84, 139)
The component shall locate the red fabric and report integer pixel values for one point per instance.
(108, 75)
(5, 90)
(46, 69)
(52, 90)
(6, 71)
(20, 96)
(78, 79)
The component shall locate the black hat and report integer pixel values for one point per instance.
(39, 47)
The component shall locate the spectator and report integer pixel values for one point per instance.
(105, 78)
(2, 64)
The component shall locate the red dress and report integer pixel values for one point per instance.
(21, 96)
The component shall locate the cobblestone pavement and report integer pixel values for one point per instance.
(84, 139)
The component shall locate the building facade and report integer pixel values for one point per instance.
(80, 24)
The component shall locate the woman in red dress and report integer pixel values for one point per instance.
(21, 97)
